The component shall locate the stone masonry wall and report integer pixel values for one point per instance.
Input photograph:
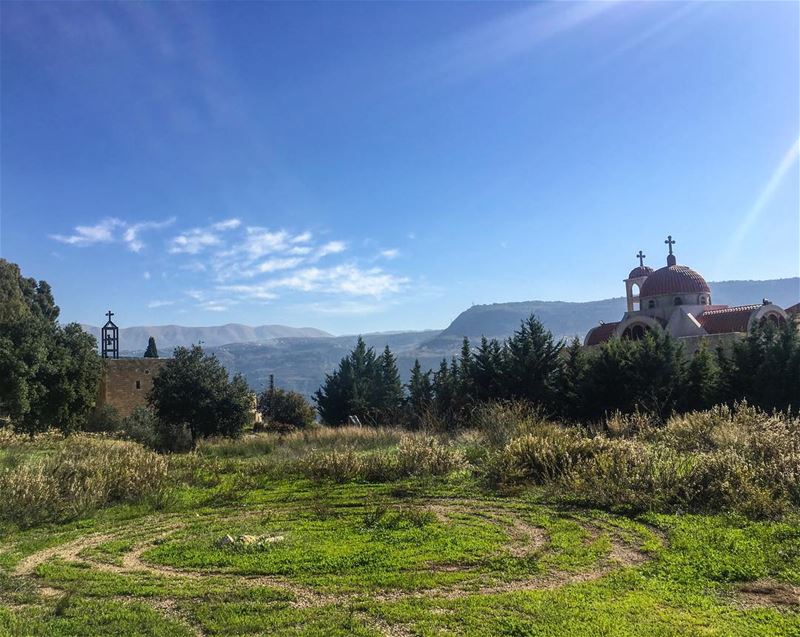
(126, 382)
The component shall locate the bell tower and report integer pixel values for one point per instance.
(109, 338)
(635, 280)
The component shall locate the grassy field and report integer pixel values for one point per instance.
(253, 537)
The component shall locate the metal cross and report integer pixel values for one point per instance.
(641, 257)
(109, 314)
(670, 242)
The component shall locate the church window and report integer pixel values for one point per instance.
(702, 300)
(678, 300)
(635, 332)
(651, 304)
(138, 384)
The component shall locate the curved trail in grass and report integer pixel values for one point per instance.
(525, 539)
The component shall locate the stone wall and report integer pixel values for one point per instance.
(126, 382)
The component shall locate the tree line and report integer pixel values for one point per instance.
(653, 375)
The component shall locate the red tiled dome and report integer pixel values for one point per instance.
(641, 270)
(674, 279)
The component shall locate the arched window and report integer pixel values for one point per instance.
(702, 300)
(635, 332)
(678, 301)
(651, 304)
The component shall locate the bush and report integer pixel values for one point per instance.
(630, 476)
(338, 466)
(415, 456)
(143, 426)
(286, 410)
(426, 455)
(105, 419)
(81, 476)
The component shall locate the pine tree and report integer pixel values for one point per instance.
(571, 401)
(388, 389)
(151, 351)
(351, 390)
(702, 381)
(420, 393)
(533, 362)
(487, 371)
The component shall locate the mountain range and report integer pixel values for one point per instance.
(299, 358)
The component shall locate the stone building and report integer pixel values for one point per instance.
(677, 300)
(125, 382)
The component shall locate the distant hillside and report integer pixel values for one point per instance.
(300, 357)
(168, 337)
(566, 319)
(300, 364)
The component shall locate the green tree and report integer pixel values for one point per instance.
(488, 372)
(702, 381)
(48, 373)
(194, 390)
(350, 390)
(764, 368)
(388, 391)
(533, 362)
(420, 393)
(151, 351)
(285, 410)
(571, 380)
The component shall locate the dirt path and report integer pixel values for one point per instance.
(524, 538)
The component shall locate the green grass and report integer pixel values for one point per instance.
(419, 556)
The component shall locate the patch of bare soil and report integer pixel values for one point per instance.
(68, 551)
(768, 593)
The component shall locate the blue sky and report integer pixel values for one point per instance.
(376, 166)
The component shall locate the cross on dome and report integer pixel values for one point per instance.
(641, 257)
(670, 242)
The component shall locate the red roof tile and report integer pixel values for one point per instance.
(793, 309)
(640, 270)
(674, 279)
(601, 333)
(726, 320)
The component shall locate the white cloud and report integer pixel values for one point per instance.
(154, 304)
(105, 232)
(302, 238)
(272, 265)
(131, 234)
(332, 247)
(101, 232)
(146, 275)
(346, 279)
(260, 242)
(302, 250)
(228, 224)
(391, 253)
(193, 241)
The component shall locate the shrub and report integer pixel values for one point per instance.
(338, 466)
(501, 421)
(628, 475)
(286, 410)
(415, 456)
(82, 475)
(543, 455)
(105, 419)
(426, 455)
(144, 427)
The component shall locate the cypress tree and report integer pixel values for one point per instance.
(151, 351)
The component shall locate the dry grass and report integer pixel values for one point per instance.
(82, 474)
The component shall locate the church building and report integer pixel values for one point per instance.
(677, 300)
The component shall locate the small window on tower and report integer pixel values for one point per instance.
(651, 304)
(677, 300)
(138, 384)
